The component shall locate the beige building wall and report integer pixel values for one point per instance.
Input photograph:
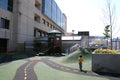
(23, 23)
(7, 33)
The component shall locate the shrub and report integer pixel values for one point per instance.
(109, 51)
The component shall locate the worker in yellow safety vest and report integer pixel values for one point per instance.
(80, 59)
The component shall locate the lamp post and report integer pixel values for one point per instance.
(73, 35)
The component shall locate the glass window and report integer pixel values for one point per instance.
(43, 21)
(48, 24)
(51, 26)
(51, 9)
(37, 18)
(4, 23)
(37, 4)
(6, 4)
(34, 32)
(0, 23)
(10, 5)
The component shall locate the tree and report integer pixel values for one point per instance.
(107, 33)
(110, 18)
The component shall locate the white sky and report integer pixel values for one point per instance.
(88, 15)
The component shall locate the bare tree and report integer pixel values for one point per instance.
(109, 13)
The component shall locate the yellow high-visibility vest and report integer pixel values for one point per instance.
(80, 59)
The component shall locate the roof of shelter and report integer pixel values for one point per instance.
(54, 31)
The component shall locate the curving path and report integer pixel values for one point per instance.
(26, 71)
(72, 70)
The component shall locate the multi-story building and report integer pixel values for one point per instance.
(24, 20)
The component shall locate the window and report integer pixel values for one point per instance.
(4, 23)
(37, 4)
(37, 18)
(43, 21)
(10, 5)
(3, 45)
(4, 4)
(48, 24)
(7, 4)
(51, 26)
(54, 28)
(34, 32)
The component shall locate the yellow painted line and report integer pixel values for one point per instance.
(25, 78)
(25, 75)
(25, 70)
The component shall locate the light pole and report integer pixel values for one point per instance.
(73, 35)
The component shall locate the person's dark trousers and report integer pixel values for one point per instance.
(80, 66)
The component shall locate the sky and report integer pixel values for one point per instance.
(89, 15)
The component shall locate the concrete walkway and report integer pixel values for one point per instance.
(26, 71)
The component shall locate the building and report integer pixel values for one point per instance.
(24, 20)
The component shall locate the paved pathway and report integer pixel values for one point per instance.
(72, 70)
(26, 71)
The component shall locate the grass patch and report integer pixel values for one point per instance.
(73, 57)
(72, 60)
(7, 71)
(45, 72)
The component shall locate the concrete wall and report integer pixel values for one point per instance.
(108, 63)
(22, 23)
(7, 33)
(26, 22)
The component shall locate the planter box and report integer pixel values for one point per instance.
(106, 63)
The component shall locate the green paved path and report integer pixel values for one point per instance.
(26, 71)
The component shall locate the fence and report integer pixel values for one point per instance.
(28, 46)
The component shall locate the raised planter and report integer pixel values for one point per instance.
(106, 63)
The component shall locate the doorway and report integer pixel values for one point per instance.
(3, 45)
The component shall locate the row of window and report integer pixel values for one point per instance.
(37, 17)
(6, 4)
(4, 23)
(51, 10)
(38, 33)
(48, 24)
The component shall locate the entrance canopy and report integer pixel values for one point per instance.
(55, 31)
